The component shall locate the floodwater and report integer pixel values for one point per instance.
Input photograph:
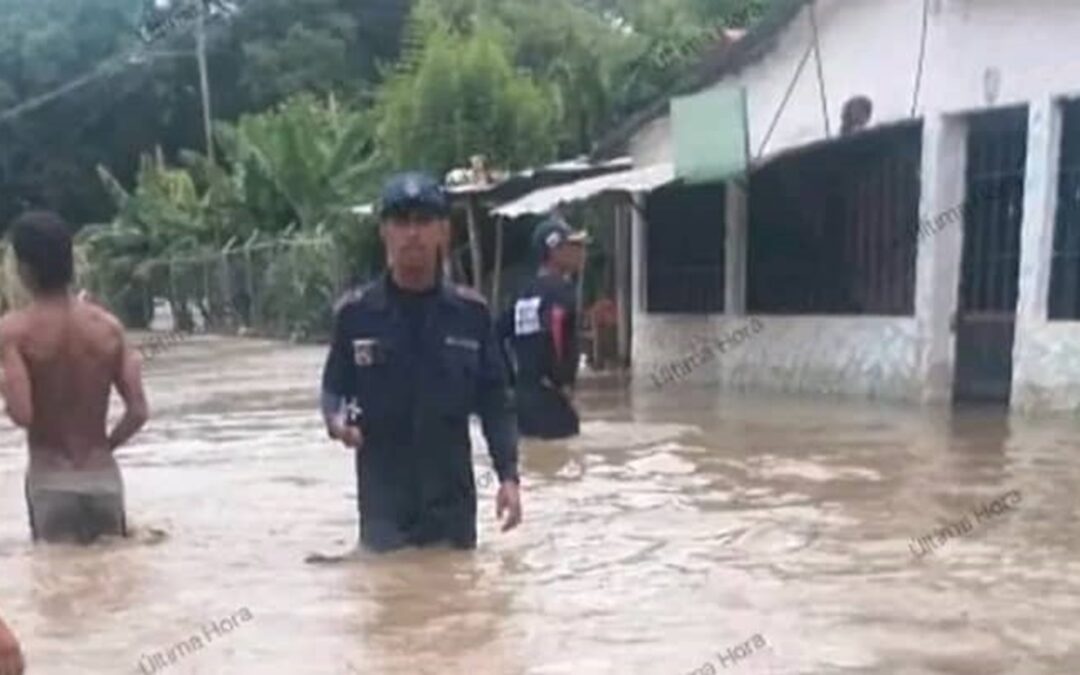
(678, 526)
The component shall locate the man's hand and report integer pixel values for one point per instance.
(508, 501)
(350, 436)
(11, 659)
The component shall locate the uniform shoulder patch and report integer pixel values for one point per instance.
(471, 294)
(348, 297)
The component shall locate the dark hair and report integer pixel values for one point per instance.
(42, 242)
(856, 115)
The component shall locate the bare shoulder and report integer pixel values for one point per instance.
(102, 318)
(103, 328)
(13, 325)
(349, 297)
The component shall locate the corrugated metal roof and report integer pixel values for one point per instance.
(542, 201)
(554, 171)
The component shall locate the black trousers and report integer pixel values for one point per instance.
(545, 413)
(450, 524)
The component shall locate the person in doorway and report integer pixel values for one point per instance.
(412, 357)
(11, 658)
(542, 327)
(60, 358)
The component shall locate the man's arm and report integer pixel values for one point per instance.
(496, 409)
(128, 382)
(16, 379)
(562, 329)
(339, 384)
(499, 423)
(504, 335)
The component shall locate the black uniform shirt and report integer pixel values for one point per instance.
(417, 365)
(542, 327)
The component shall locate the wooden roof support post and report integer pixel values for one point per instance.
(497, 282)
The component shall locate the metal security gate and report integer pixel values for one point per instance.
(685, 250)
(994, 211)
(1065, 277)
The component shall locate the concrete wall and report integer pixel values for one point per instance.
(870, 357)
(1046, 368)
(979, 53)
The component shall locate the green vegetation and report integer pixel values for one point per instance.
(315, 101)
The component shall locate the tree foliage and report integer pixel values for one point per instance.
(314, 100)
(463, 98)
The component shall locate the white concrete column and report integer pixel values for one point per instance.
(1045, 120)
(1040, 210)
(638, 268)
(735, 247)
(623, 284)
(937, 276)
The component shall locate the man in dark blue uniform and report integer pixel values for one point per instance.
(542, 328)
(411, 358)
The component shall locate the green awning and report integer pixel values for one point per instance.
(709, 135)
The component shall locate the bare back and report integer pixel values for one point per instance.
(73, 352)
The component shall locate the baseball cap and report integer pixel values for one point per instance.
(554, 232)
(413, 190)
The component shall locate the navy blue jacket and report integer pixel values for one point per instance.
(415, 392)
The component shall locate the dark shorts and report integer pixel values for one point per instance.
(75, 506)
(545, 413)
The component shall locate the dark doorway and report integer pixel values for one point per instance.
(994, 212)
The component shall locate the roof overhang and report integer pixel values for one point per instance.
(645, 179)
(725, 60)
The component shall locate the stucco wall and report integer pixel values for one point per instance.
(866, 356)
(1046, 368)
(871, 48)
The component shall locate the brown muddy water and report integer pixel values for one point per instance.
(679, 526)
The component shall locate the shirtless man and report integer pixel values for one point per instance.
(11, 658)
(60, 356)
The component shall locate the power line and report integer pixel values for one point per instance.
(107, 68)
(922, 57)
(820, 72)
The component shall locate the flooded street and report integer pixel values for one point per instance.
(678, 526)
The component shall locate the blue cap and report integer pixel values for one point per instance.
(553, 232)
(413, 190)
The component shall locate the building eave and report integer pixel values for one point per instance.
(714, 66)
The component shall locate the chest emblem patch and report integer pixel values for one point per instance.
(364, 352)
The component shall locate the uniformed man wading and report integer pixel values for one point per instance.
(542, 327)
(61, 357)
(411, 358)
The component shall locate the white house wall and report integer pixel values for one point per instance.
(979, 54)
(871, 48)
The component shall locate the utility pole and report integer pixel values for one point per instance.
(204, 77)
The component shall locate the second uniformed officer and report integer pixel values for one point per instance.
(411, 358)
(542, 327)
